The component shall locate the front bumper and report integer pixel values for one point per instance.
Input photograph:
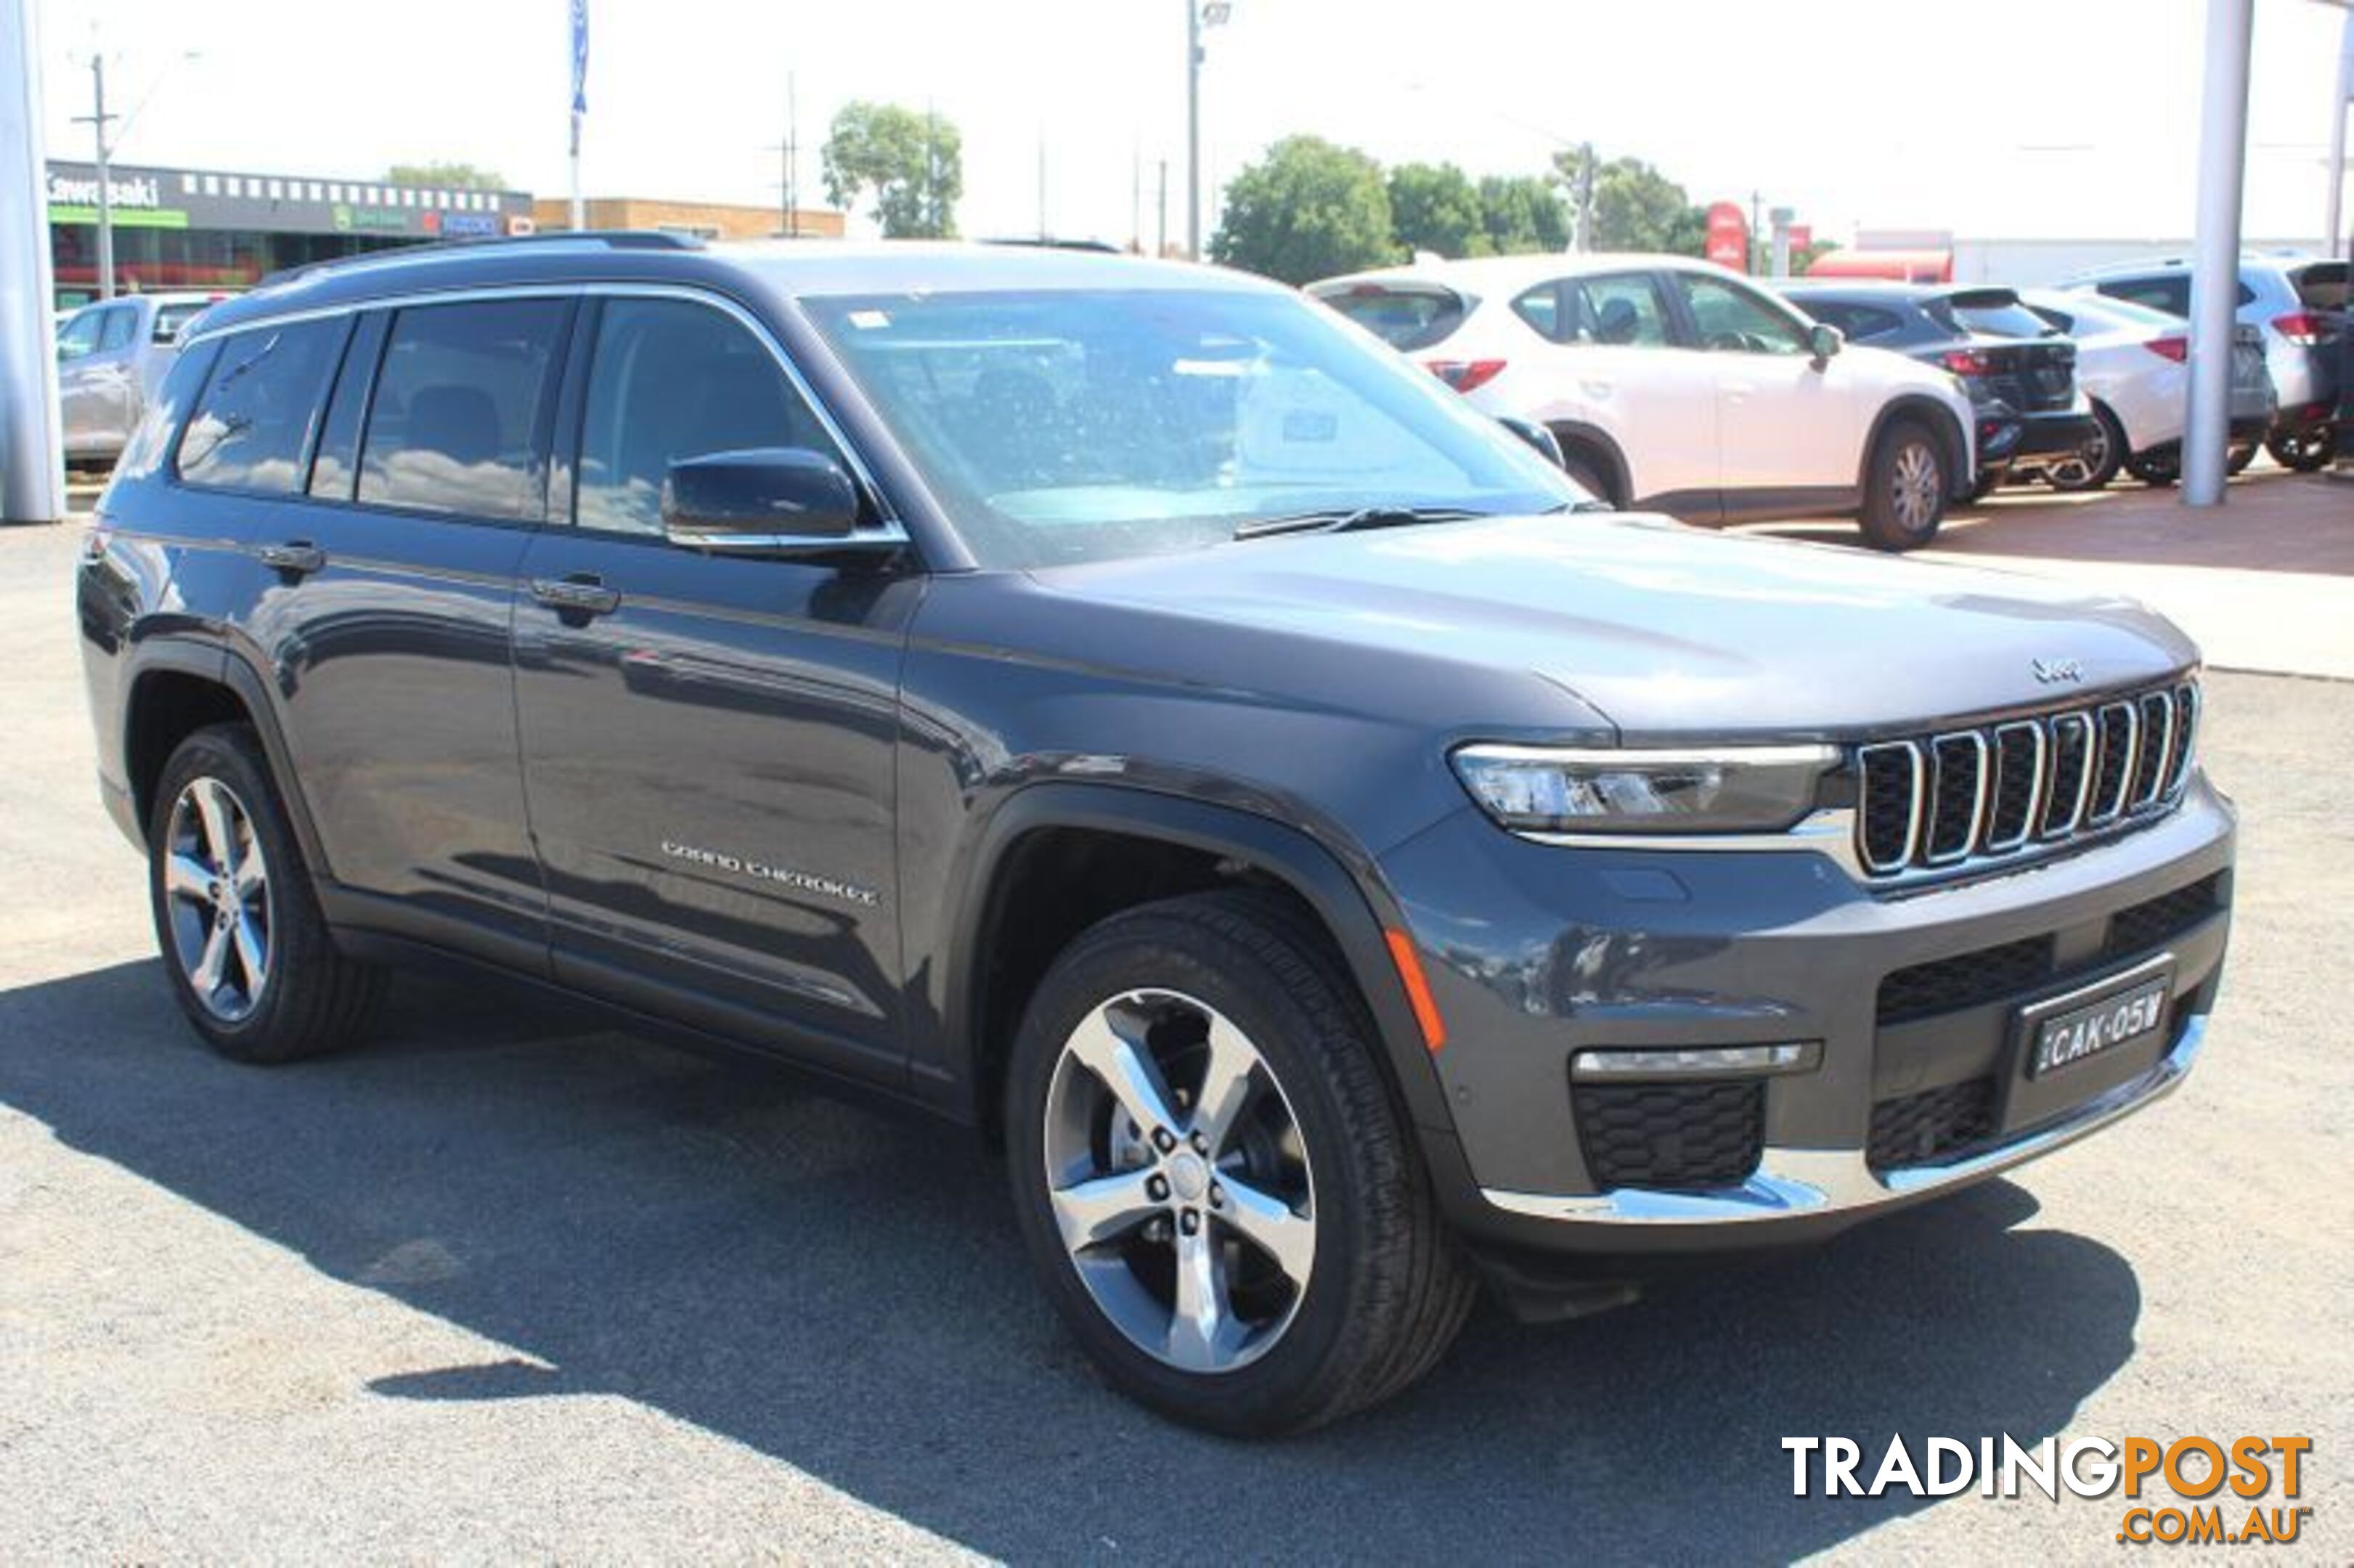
(1535, 953)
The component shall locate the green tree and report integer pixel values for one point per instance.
(1522, 213)
(1307, 210)
(1435, 206)
(1635, 208)
(446, 176)
(912, 163)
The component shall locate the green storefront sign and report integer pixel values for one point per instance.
(123, 216)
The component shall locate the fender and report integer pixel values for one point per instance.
(1354, 910)
(1606, 446)
(1938, 418)
(216, 662)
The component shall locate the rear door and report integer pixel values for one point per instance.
(381, 616)
(1615, 365)
(708, 739)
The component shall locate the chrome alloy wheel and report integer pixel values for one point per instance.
(2075, 471)
(1914, 485)
(217, 897)
(1179, 1181)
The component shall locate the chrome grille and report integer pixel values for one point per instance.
(1986, 792)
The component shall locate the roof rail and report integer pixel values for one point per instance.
(611, 238)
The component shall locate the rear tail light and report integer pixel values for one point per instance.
(1466, 374)
(1967, 362)
(2302, 328)
(2177, 349)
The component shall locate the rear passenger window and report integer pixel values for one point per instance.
(121, 323)
(671, 379)
(1616, 309)
(1541, 308)
(254, 416)
(453, 427)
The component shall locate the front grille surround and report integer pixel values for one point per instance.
(1958, 797)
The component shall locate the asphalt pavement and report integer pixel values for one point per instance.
(502, 1282)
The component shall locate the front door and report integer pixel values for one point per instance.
(1786, 426)
(708, 739)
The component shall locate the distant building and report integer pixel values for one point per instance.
(1937, 255)
(207, 228)
(704, 220)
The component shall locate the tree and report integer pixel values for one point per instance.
(446, 176)
(1635, 208)
(912, 163)
(1307, 210)
(1522, 213)
(1435, 206)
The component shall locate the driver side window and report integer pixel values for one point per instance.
(1730, 319)
(78, 336)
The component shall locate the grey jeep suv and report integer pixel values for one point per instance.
(1120, 707)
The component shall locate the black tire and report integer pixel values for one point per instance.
(1591, 474)
(2101, 457)
(1986, 484)
(2157, 468)
(2307, 448)
(2237, 459)
(1899, 513)
(310, 997)
(1386, 1292)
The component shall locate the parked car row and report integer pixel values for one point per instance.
(112, 357)
(1919, 393)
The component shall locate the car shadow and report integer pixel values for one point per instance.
(842, 1290)
(2272, 522)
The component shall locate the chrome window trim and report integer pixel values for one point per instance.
(893, 530)
(2034, 782)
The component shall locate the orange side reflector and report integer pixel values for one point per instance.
(1418, 990)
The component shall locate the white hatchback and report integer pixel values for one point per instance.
(1675, 385)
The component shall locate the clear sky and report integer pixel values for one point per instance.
(1996, 118)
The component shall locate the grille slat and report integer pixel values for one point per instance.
(1946, 801)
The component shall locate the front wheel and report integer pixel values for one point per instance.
(2307, 448)
(1212, 1178)
(2096, 461)
(1904, 493)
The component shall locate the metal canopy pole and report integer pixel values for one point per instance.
(2215, 270)
(32, 460)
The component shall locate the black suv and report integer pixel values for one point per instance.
(2019, 372)
(1121, 707)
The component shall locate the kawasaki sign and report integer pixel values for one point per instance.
(281, 204)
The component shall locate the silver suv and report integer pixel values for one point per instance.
(112, 357)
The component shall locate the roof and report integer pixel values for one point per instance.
(1498, 273)
(779, 267)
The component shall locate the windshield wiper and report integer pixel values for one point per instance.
(1350, 520)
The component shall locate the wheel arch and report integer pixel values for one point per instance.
(1576, 435)
(997, 956)
(177, 686)
(1960, 471)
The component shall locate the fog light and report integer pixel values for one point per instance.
(1698, 1062)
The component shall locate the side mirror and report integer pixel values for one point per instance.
(764, 498)
(1825, 340)
(1536, 435)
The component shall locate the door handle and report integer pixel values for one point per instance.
(582, 593)
(295, 557)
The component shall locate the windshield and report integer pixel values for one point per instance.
(1068, 425)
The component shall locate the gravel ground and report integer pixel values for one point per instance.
(503, 1283)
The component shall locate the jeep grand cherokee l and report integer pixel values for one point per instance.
(1120, 706)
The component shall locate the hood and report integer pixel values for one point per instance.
(1669, 633)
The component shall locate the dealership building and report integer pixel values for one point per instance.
(204, 228)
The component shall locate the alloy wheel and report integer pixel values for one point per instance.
(216, 892)
(1915, 484)
(1179, 1181)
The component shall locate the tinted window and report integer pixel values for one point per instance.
(1860, 323)
(121, 323)
(1732, 320)
(255, 414)
(1996, 314)
(1405, 318)
(79, 335)
(1541, 308)
(2321, 286)
(451, 428)
(673, 380)
(2170, 294)
(336, 463)
(1621, 308)
(170, 319)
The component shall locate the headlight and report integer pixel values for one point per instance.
(1541, 789)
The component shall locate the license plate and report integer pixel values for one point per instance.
(2121, 1018)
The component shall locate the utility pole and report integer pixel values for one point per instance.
(2215, 260)
(1043, 230)
(1162, 249)
(793, 162)
(1193, 130)
(1135, 196)
(97, 120)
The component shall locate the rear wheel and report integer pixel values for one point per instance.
(2159, 466)
(1211, 1176)
(2237, 459)
(2307, 449)
(248, 955)
(1904, 491)
(2098, 462)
